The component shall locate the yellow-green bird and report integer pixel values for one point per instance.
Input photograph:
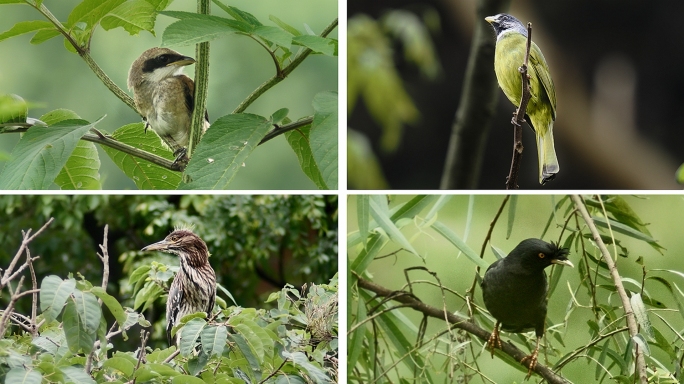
(511, 42)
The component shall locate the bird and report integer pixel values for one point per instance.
(514, 291)
(194, 287)
(165, 97)
(509, 55)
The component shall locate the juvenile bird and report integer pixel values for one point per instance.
(514, 291)
(165, 97)
(194, 287)
(511, 45)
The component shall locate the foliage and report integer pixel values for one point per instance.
(389, 342)
(374, 79)
(67, 337)
(258, 243)
(224, 148)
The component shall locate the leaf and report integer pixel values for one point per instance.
(41, 153)
(460, 244)
(120, 364)
(81, 171)
(224, 149)
(641, 315)
(25, 27)
(512, 204)
(182, 379)
(324, 136)
(363, 168)
(626, 230)
(214, 339)
(254, 371)
(641, 342)
(78, 339)
(274, 35)
(133, 16)
(114, 306)
(363, 215)
(88, 310)
(300, 144)
(317, 374)
(189, 334)
(54, 293)
(13, 109)
(74, 374)
(292, 30)
(389, 226)
(317, 44)
(278, 116)
(21, 375)
(144, 174)
(367, 255)
(193, 28)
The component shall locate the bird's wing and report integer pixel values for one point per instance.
(172, 308)
(541, 69)
(189, 90)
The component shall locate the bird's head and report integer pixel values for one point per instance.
(537, 254)
(504, 23)
(184, 244)
(157, 64)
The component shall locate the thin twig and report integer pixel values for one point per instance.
(105, 259)
(617, 281)
(279, 130)
(519, 117)
(274, 372)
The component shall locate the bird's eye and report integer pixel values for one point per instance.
(163, 58)
(541, 255)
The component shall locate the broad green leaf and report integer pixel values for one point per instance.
(193, 28)
(317, 374)
(41, 153)
(146, 175)
(253, 369)
(88, 310)
(21, 375)
(77, 337)
(91, 13)
(254, 341)
(274, 35)
(147, 296)
(54, 293)
(13, 109)
(120, 364)
(74, 374)
(81, 171)
(317, 44)
(300, 144)
(187, 379)
(459, 243)
(214, 339)
(224, 149)
(278, 116)
(133, 16)
(238, 14)
(44, 35)
(114, 306)
(189, 334)
(324, 136)
(25, 27)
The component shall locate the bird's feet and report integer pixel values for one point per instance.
(514, 120)
(494, 339)
(181, 157)
(533, 362)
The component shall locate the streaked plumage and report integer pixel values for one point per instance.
(194, 287)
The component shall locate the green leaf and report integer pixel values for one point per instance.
(76, 375)
(13, 109)
(641, 315)
(114, 306)
(512, 204)
(120, 364)
(133, 16)
(78, 339)
(274, 35)
(189, 334)
(21, 375)
(193, 28)
(91, 12)
(254, 341)
(254, 368)
(363, 168)
(324, 136)
(278, 116)
(317, 374)
(44, 35)
(41, 153)
(641, 342)
(317, 44)
(376, 242)
(182, 379)
(88, 310)
(214, 339)
(300, 144)
(460, 244)
(284, 25)
(626, 230)
(363, 216)
(25, 27)
(147, 295)
(382, 218)
(54, 293)
(238, 14)
(81, 171)
(224, 149)
(145, 174)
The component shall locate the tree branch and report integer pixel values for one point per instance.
(458, 322)
(519, 117)
(631, 320)
(279, 130)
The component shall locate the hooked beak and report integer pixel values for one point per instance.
(562, 262)
(185, 60)
(490, 19)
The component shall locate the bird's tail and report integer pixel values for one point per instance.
(548, 163)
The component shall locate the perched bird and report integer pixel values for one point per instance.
(165, 96)
(194, 287)
(509, 55)
(514, 291)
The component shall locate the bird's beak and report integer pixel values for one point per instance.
(185, 60)
(556, 261)
(158, 246)
(490, 19)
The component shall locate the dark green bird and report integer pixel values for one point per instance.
(514, 291)
(511, 45)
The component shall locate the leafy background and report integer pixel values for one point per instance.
(469, 217)
(49, 78)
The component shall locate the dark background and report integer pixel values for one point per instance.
(620, 89)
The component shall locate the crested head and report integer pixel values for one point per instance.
(156, 64)
(504, 23)
(538, 254)
(184, 244)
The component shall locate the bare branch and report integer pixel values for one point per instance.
(9, 272)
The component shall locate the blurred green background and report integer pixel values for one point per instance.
(663, 214)
(50, 76)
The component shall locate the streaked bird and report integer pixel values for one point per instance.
(165, 97)
(194, 287)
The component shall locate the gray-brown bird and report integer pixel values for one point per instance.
(514, 291)
(194, 287)
(165, 97)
